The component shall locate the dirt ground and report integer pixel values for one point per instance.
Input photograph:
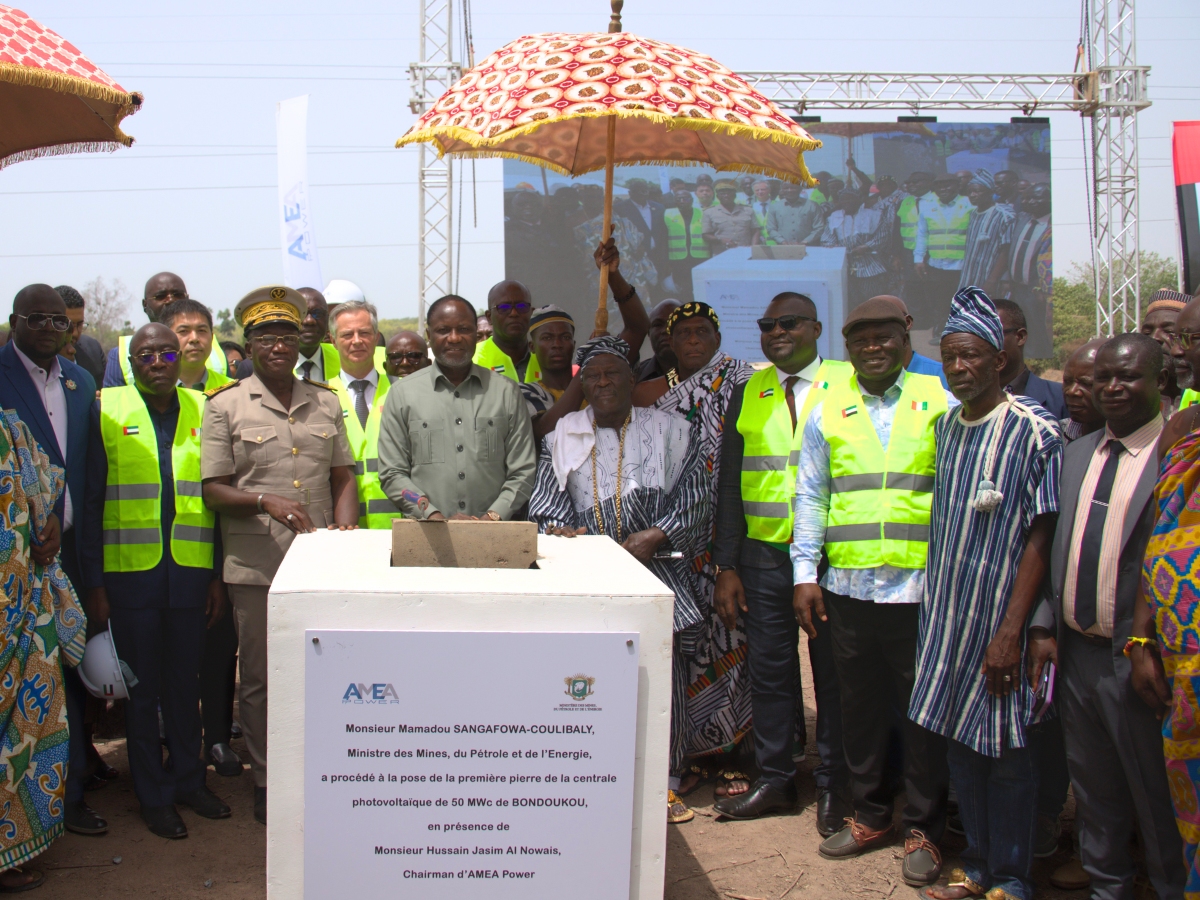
(769, 859)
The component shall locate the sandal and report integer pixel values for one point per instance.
(960, 881)
(728, 777)
(677, 810)
(704, 776)
(38, 880)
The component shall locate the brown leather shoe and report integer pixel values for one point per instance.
(855, 838)
(922, 860)
(1070, 876)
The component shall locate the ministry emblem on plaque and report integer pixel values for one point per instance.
(579, 687)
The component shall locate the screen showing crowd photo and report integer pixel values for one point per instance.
(915, 210)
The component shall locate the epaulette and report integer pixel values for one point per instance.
(319, 384)
(212, 392)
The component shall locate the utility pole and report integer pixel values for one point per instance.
(431, 77)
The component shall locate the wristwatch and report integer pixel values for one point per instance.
(721, 569)
(493, 515)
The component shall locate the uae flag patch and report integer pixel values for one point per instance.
(129, 429)
(499, 368)
(769, 392)
(920, 407)
(850, 411)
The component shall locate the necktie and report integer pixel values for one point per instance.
(306, 368)
(360, 399)
(1093, 532)
(791, 398)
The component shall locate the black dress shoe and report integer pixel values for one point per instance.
(80, 818)
(260, 805)
(164, 821)
(224, 760)
(105, 771)
(204, 802)
(762, 798)
(832, 812)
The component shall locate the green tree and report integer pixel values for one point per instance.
(225, 324)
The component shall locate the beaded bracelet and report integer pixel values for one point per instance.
(1145, 642)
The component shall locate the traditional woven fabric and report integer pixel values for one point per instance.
(973, 312)
(599, 346)
(533, 100)
(41, 630)
(1171, 580)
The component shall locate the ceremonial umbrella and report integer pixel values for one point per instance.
(578, 103)
(53, 99)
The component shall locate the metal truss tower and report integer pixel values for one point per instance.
(431, 77)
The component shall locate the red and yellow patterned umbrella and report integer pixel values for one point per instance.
(578, 103)
(53, 99)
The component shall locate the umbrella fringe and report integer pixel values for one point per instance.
(59, 150)
(483, 151)
(69, 84)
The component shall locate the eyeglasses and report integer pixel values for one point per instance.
(513, 307)
(42, 321)
(414, 357)
(79, 326)
(1011, 330)
(271, 341)
(1185, 338)
(787, 323)
(149, 358)
(173, 294)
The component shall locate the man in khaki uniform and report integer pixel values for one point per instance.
(275, 462)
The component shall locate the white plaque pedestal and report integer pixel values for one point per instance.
(334, 582)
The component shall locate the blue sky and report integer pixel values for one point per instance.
(196, 193)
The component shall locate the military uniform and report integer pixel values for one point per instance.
(267, 449)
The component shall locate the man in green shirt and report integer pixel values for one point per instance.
(455, 440)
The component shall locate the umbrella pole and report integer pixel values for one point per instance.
(606, 232)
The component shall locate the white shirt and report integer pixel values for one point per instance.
(50, 388)
(318, 361)
(807, 376)
(647, 217)
(372, 380)
(865, 221)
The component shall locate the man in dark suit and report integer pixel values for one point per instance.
(1114, 741)
(53, 396)
(80, 348)
(647, 217)
(1016, 377)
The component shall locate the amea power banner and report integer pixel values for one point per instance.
(1186, 150)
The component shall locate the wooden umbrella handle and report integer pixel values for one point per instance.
(606, 232)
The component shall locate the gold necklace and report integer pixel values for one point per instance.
(595, 490)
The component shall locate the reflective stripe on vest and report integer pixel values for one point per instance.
(677, 245)
(216, 362)
(375, 510)
(132, 536)
(492, 357)
(1189, 398)
(772, 450)
(880, 502)
(947, 228)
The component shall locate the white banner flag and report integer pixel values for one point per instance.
(301, 267)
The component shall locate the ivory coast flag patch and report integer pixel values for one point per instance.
(769, 392)
(849, 411)
(920, 406)
(822, 385)
(129, 429)
(195, 432)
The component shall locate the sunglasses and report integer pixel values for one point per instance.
(414, 357)
(271, 341)
(511, 307)
(173, 294)
(787, 323)
(42, 321)
(149, 358)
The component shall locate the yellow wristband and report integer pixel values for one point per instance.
(1145, 642)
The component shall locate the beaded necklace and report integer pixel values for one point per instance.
(595, 490)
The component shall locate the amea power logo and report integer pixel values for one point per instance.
(370, 693)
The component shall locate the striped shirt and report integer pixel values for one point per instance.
(1022, 268)
(972, 568)
(989, 232)
(1139, 453)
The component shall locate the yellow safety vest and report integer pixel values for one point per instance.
(216, 359)
(761, 219)
(772, 449)
(1189, 398)
(375, 510)
(132, 499)
(492, 357)
(677, 247)
(881, 501)
(330, 361)
(947, 228)
(380, 361)
(908, 214)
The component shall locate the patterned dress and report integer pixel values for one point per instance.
(1171, 580)
(42, 628)
(972, 567)
(719, 713)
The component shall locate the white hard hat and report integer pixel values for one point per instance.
(340, 291)
(102, 673)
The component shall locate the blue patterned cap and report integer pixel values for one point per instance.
(984, 177)
(973, 312)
